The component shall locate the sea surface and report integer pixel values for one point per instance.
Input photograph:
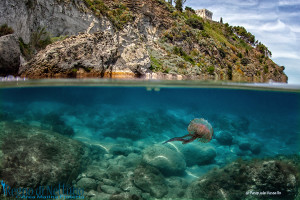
(105, 138)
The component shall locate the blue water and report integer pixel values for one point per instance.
(261, 123)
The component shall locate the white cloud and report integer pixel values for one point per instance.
(289, 2)
(286, 54)
(295, 28)
(278, 26)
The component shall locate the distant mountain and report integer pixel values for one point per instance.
(129, 39)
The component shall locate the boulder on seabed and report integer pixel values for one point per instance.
(199, 154)
(34, 157)
(245, 146)
(150, 180)
(168, 161)
(224, 138)
(239, 178)
(87, 184)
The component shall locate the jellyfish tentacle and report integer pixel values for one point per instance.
(179, 139)
(190, 140)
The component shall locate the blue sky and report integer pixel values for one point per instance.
(276, 23)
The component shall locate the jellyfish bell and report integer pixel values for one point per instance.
(199, 129)
(202, 129)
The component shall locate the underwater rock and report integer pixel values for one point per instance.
(235, 124)
(255, 148)
(35, 157)
(120, 150)
(177, 187)
(237, 178)
(150, 180)
(244, 146)
(110, 189)
(93, 195)
(95, 172)
(131, 161)
(224, 138)
(87, 184)
(199, 154)
(126, 196)
(116, 172)
(241, 125)
(57, 124)
(168, 161)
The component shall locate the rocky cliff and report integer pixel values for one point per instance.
(129, 39)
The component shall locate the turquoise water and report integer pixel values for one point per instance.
(107, 141)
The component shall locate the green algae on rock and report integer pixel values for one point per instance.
(239, 179)
(32, 157)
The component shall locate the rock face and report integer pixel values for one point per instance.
(32, 157)
(9, 55)
(58, 18)
(92, 55)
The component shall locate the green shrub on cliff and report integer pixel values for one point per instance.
(245, 61)
(180, 52)
(195, 23)
(211, 70)
(39, 40)
(119, 14)
(5, 30)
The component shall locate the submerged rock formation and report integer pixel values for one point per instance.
(243, 179)
(130, 39)
(32, 157)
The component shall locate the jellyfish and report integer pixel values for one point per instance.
(198, 129)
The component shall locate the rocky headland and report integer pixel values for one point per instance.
(126, 39)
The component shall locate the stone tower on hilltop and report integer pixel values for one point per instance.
(205, 14)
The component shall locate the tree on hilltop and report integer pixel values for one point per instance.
(179, 4)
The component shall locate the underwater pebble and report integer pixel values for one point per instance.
(168, 161)
(108, 182)
(87, 184)
(125, 196)
(110, 189)
(101, 196)
(95, 172)
(120, 150)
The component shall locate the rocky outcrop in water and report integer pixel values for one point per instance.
(89, 55)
